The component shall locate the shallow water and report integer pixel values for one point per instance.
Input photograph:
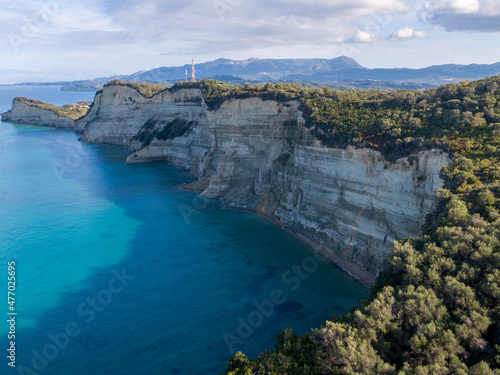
(140, 276)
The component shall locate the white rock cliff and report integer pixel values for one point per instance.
(26, 114)
(258, 156)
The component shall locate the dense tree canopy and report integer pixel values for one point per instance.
(436, 309)
(147, 89)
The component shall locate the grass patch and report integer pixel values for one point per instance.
(73, 111)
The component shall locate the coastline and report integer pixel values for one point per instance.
(353, 269)
(251, 152)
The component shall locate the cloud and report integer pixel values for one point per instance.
(460, 6)
(365, 37)
(407, 33)
(464, 15)
(228, 24)
(84, 17)
(138, 34)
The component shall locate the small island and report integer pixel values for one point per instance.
(37, 112)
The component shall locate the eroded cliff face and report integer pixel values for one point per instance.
(355, 202)
(258, 156)
(119, 112)
(26, 114)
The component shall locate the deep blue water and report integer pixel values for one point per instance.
(120, 271)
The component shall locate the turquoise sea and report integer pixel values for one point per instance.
(119, 271)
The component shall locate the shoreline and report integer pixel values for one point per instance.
(354, 270)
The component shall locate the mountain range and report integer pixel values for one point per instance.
(323, 71)
(16, 76)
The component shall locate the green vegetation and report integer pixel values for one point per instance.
(283, 159)
(161, 130)
(145, 88)
(81, 88)
(436, 309)
(400, 122)
(368, 84)
(174, 129)
(215, 93)
(147, 132)
(73, 111)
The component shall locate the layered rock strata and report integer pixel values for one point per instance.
(258, 156)
(32, 115)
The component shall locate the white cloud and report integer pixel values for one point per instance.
(118, 33)
(454, 6)
(239, 25)
(83, 17)
(365, 37)
(472, 15)
(463, 6)
(407, 33)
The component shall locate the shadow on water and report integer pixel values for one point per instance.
(195, 271)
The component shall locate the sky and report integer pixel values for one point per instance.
(64, 39)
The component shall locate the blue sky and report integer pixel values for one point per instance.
(67, 39)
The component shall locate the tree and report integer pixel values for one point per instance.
(414, 123)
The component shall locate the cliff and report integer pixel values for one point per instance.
(35, 112)
(257, 155)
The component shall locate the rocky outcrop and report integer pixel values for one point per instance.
(355, 202)
(119, 112)
(258, 156)
(33, 115)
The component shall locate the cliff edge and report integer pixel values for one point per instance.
(257, 155)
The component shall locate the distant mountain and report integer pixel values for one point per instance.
(435, 75)
(343, 70)
(319, 70)
(12, 76)
(251, 69)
